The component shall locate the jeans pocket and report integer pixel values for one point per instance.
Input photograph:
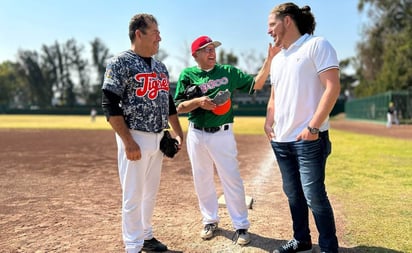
(310, 149)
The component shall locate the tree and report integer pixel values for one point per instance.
(384, 54)
(100, 54)
(227, 58)
(40, 92)
(12, 88)
(53, 67)
(397, 68)
(59, 74)
(63, 67)
(253, 63)
(346, 80)
(186, 55)
(77, 68)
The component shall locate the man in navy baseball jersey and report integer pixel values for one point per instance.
(138, 106)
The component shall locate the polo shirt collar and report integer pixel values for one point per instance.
(300, 41)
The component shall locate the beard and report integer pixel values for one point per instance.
(277, 42)
(278, 38)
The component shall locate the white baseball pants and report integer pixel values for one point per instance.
(140, 183)
(206, 150)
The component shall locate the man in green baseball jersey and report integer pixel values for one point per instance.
(205, 93)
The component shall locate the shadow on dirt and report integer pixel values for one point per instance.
(368, 249)
(269, 244)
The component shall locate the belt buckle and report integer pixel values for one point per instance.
(212, 129)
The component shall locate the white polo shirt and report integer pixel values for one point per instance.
(294, 74)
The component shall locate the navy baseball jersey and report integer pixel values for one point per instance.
(145, 103)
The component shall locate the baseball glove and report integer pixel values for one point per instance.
(221, 97)
(169, 145)
(193, 91)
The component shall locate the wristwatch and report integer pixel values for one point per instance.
(313, 130)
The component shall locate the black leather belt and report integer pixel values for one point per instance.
(211, 129)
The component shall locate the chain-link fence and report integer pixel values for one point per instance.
(376, 107)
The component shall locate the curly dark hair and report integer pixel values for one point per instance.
(303, 17)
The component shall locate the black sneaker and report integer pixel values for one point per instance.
(154, 245)
(294, 246)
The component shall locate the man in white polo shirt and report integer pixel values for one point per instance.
(305, 86)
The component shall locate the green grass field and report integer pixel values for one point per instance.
(244, 125)
(371, 178)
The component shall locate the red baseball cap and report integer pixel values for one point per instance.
(202, 42)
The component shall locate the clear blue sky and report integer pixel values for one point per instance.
(241, 25)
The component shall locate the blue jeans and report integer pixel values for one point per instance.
(302, 165)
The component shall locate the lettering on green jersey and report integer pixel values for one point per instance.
(211, 84)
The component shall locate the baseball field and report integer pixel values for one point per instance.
(59, 189)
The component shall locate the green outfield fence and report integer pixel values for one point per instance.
(239, 109)
(375, 107)
(372, 108)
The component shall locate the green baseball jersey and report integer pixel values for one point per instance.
(221, 77)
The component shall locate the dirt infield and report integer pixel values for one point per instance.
(375, 129)
(59, 192)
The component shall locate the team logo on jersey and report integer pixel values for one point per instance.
(109, 73)
(213, 84)
(152, 84)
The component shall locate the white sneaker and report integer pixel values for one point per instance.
(208, 230)
(241, 237)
